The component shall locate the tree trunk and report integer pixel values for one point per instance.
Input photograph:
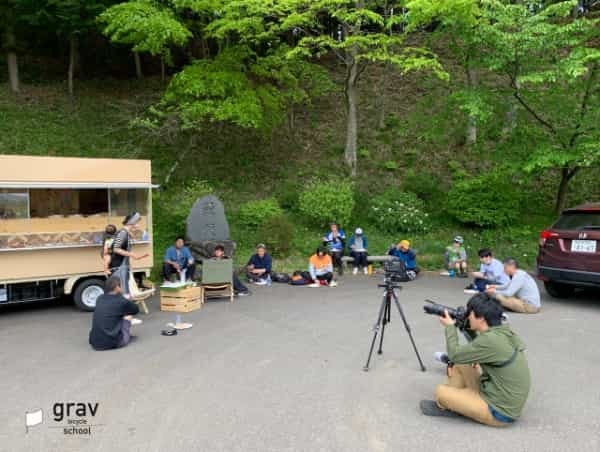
(561, 195)
(162, 68)
(472, 83)
(13, 72)
(138, 65)
(72, 62)
(382, 97)
(351, 89)
(510, 119)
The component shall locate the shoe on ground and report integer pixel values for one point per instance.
(355, 271)
(463, 275)
(430, 408)
(243, 294)
(135, 321)
(471, 291)
(261, 282)
(445, 273)
(316, 284)
(332, 284)
(441, 357)
(366, 271)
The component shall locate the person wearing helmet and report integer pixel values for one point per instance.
(456, 258)
(358, 250)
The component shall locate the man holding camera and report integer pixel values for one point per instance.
(488, 378)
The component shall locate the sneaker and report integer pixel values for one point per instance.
(243, 294)
(430, 408)
(441, 357)
(355, 271)
(332, 284)
(366, 271)
(261, 282)
(316, 284)
(446, 273)
(135, 321)
(471, 291)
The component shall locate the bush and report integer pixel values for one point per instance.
(277, 233)
(323, 202)
(287, 195)
(487, 201)
(255, 213)
(396, 210)
(425, 185)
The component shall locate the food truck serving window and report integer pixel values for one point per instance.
(52, 217)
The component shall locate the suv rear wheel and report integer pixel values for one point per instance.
(87, 292)
(558, 290)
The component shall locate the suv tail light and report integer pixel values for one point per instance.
(545, 235)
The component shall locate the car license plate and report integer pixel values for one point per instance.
(583, 246)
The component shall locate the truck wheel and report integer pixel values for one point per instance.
(87, 292)
(558, 290)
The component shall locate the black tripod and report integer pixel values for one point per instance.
(384, 318)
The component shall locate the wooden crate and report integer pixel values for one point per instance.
(184, 300)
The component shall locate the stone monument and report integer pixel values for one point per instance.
(207, 227)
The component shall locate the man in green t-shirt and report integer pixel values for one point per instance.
(488, 378)
(456, 258)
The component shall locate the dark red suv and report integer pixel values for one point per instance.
(569, 251)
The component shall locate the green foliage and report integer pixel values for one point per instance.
(399, 211)
(390, 165)
(277, 233)
(147, 25)
(325, 201)
(176, 203)
(255, 213)
(426, 185)
(486, 201)
(364, 153)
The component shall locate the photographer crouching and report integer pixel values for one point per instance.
(488, 378)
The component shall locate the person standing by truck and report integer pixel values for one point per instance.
(122, 253)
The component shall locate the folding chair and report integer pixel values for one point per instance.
(217, 278)
(139, 296)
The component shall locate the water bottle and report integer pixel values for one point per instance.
(177, 319)
(269, 281)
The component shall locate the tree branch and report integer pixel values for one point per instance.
(584, 104)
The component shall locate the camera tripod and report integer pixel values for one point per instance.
(384, 318)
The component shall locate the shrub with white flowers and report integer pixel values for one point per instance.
(399, 211)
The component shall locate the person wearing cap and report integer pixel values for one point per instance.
(403, 252)
(320, 267)
(122, 254)
(456, 258)
(359, 245)
(259, 266)
(335, 240)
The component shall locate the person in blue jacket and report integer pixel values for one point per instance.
(359, 246)
(178, 258)
(259, 266)
(403, 252)
(335, 241)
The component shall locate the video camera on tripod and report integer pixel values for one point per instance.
(395, 271)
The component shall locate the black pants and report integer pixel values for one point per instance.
(360, 258)
(325, 277)
(238, 286)
(169, 270)
(480, 284)
(336, 257)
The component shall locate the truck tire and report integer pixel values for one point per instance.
(87, 292)
(558, 290)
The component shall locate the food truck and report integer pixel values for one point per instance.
(53, 212)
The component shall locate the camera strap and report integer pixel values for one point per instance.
(508, 361)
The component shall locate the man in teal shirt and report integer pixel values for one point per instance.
(488, 378)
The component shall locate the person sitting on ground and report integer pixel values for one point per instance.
(488, 378)
(403, 252)
(320, 267)
(456, 258)
(179, 260)
(490, 272)
(238, 287)
(359, 246)
(520, 294)
(112, 318)
(259, 266)
(107, 243)
(335, 240)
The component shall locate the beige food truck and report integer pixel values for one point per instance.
(53, 211)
